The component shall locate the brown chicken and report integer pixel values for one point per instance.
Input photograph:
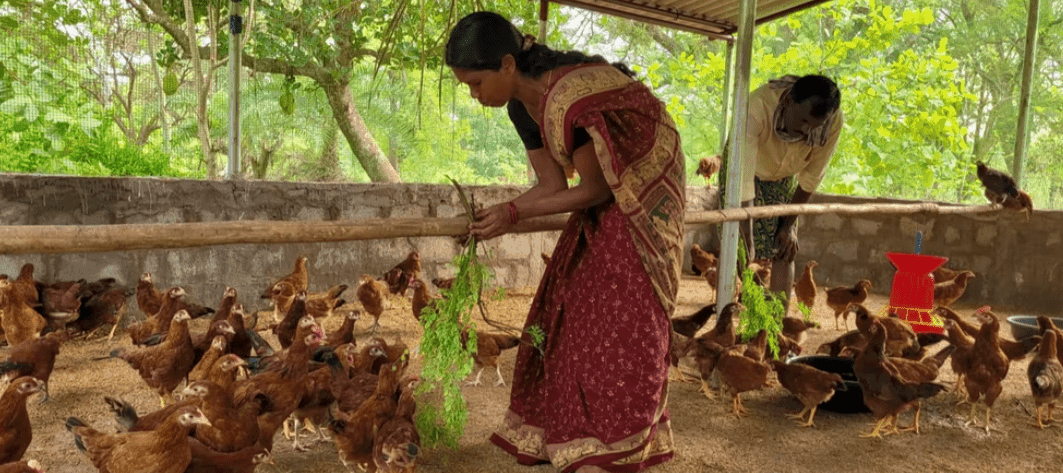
(202, 367)
(740, 373)
(60, 306)
(352, 382)
(372, 293)
(943, 274)
(811, 386)
(900, 338)
(319, 304)
(1046, 377)
(421, 298)
(345, 333)
(701, 260)
(761, 271)
(313, 409)
(805, 289)
(202, 343)
(101, 309)
(851, 339)
(163, 450)
(1045, 323)
(30, 466)
(1045, 373)
(1022, 203)
(207, 460)
(1012, 349)
(27, 286)
(441, 283)
(241, 344)
(945, 293)
(998, 184)
(19, 321)
(149, 299)
(281, 385)
(688, 325)
(489, 347)
(34, 358)
(988, 367)
(839, 298)
(796, 328)
(157, 323)
(960, 360)
(230, 429)
(398, 279)
(708, 346)
(708, 166)
(355, 431)
(16, 434)
(397, 442)
(298, 279)
(885, 391)
(165, 365)
(922, 371)
(223, 374)
(285, 330)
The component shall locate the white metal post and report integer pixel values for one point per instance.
(729, 239)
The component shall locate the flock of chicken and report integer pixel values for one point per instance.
(238, 390)
(890, 359)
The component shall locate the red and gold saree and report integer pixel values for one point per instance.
(598, 394)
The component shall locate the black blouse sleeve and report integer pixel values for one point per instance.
(529, 130)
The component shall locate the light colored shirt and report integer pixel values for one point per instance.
(769, 158)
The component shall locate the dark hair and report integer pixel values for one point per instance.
(480, 40)
(822, 91)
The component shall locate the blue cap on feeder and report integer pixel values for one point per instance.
(918, 243)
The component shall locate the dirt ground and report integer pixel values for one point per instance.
(707, 436)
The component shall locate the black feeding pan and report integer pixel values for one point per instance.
(850, 401)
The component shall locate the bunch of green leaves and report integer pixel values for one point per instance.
(447, 361)
(764, 310)
(806, 311)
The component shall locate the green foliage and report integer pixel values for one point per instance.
(446, 360)
(764, 311)
(806, 311)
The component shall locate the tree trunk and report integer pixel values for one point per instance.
(350, 122)
(202, 124)
(328, 164)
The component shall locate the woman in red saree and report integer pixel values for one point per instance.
(595, 398)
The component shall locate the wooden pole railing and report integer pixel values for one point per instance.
(34, 239)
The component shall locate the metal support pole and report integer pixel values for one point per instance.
(544, 23)
(232, 171)
(728, 70)
(729, 239)
(1022, 137)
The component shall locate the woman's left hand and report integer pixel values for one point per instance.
(491, 222)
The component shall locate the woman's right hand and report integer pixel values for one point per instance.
(491, 222)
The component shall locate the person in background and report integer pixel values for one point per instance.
(792, 130)
(595, 397)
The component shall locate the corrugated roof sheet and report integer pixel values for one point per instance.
(714, 18)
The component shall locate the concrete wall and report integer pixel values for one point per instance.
(1019, 264)
(205, 272)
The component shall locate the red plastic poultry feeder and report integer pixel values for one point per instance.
(912, 294)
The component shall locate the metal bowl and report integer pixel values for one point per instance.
(850, 401)
(1025, 326)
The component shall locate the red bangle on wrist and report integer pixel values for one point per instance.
(513, 218)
